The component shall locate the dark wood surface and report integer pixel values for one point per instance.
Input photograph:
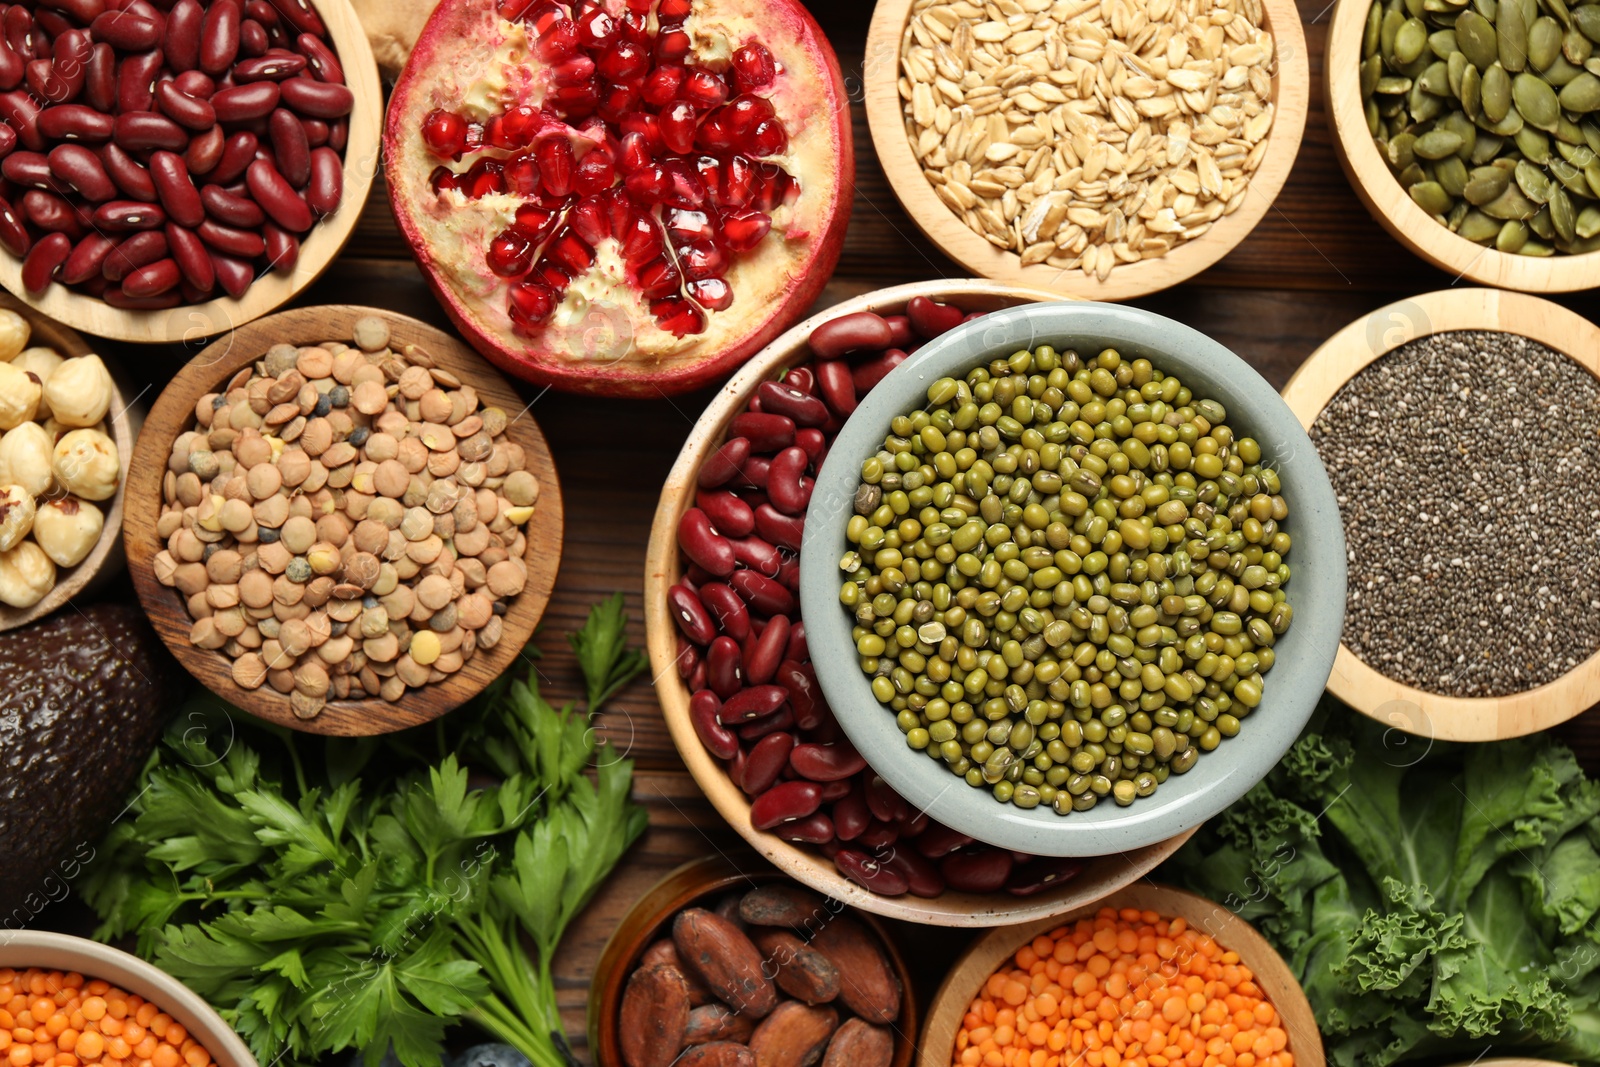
(1315, 263)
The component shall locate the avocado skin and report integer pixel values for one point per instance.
(85, 694)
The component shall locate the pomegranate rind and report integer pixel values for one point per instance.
(604, 340)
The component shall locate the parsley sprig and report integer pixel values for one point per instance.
(329, 894)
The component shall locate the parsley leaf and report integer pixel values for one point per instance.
(603, 653)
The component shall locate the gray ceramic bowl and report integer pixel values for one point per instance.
(1304, 655)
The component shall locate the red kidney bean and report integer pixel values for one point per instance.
(126, 31)
(900, 333)
(762, 593)
(13, 234)
(74, 122)
(753, 475)
(12, 67)
(725, 666)
(849, 333)
(54, 213)
(801, 378)
(52, 24)
(237, 155)
(827, 763)
(231, 210)
(81, 10)
(782, 530)
(320, 100)
(133, 179)
(79, 168)
(29, 169)
(86, 259)
(787, 487)
(152, 279)
(176, 191)
(922, 877)
(752, 732)
(70, 59)
(302, 15)
(731, 516)
(134, 252)
(142, 130)
(182, 40)
(316, 133)
(100, 80)
(276, 197)
(700, 541)
(234, 275)
(42, 260)
(240, 103)
(195, 83)
(686, 608)
(783, 398)
(261, 12)
(185, 110)
(884, 803)
(204, 151)
(119, 299)
(275, 67)
(253, 42)
(192, 258)
(832, 791)
(1039, 873)
(290, 150)
(930, 318)
(938, 841)
(869, 374)
(767, 433)
(123, 216)
(757, 555)
(219, 37)
(8, 140)
(878, 835)
(814, 443)
(801, 684)
(283, 248)
(724, 463)
(326, 188)
(764, 653)
(136, 81)
(914, 822)
(704, 708)
(798, 649)
(850, 815)
(837, 387)
(870, 873)
(21, 112)
(765, 761)
(754, 702)
(320, 60)
(976, 870)
(338, 134)
(687, 658)
(45, 83)
(19, 31)
(727, 609)
(814, 829)
(785, 802)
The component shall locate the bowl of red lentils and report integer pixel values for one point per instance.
(71, 1002)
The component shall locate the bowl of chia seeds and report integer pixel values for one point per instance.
(1073, 577)
(1461, 431)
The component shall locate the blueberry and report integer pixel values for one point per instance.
(491, 1056)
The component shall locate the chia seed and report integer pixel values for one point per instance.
(1467, 469)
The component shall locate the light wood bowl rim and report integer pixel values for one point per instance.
(680, 888)
(173, 412)
(122, 419)
(1308, 392)
(960, 986)
(193, 322)
(662, 569)
(1292, 93)
(1394, 209)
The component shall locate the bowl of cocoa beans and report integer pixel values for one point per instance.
(725, 965)
(728, 644)
(177, 169)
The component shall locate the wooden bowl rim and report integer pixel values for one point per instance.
(173, 412)
(321, 246)
(985, 955)
(681, 887)
(122, 420)
(662, 569)
(1394, 209)
(1291, 97)
(1320, 377)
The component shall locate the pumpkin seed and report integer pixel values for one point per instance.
(1409, 40)
(1510, 204)
(1579, 155)
(1496, 93)
(1513, 235)
(1451, 174)
(1478, 227)
(1455, 69)
(1541, 225)
(1430, 197)
(1462, 126)
(1392, 21)
(1560, 72)
(1370, 37)
(1591, 135)
(1471, 94)
(1484, 184)
(1436, 80)
(1401, 150)
(1374, 120)
(1570, 176)
(1511, 37)
(1581, 246)
(1587, 19)
(1507, 126)
(1457, 213)
(1544, 42)
(1533, 182)
(1411, 175)
(1475, 34)
(1591, 172)
(1437, 143)
(1568, 132)
(1581, 94)
(1558, 8)
(1563, 215)
(1588, 224)
(1414, 8)
(1371, 72)
(1533, 144)
(1423, 105)
(1592, 64)
(1536, 248)
(1442, 43)
(1575, 47)
(1390, 85)
(1536, 101)
(1488, 146)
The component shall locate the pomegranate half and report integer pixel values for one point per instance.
(625, 197)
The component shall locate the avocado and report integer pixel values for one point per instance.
(86, 692)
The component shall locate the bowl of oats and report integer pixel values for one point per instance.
(1101, 149)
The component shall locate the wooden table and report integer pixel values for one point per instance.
(1315, 263)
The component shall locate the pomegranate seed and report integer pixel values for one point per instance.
(536, 222)
(556, 166)
(512, 10)
(553, 276)
(559, 41)
(639, 7)
(445, 133)
(624, 61)
(640, 242)
(443, 178)
(569, 252)
(596, 29)
(522, 175)
(672, 46)
(702, 261)
(659, 278)
(648, 125)
(753, 68)
(677, 316)
(777, 188)
(672, 12)
(705, 89)
(738, 182)
(595, 172)
(744, 230)
(617, 101)
(661, 87)
(684, 187)
(574, 70)
(484, 177)
(511, 253)
(636, 27)
(543, 15)
(745, 112)
(588, 220)
(713, 294)
(530, 303)
(619, 212)
(648, 185)
(709, 170)
(677, 127)
(576, 101)
(715, 136)
(766, 138)
(687, 227)
(635, 154)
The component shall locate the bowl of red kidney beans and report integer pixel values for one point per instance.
(728, 646)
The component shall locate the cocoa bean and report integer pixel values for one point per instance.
(664, 951)
(867, 984)
(719, 953)
(718, 1054)
(655, 1014)
(794, 1035)
(717, 1022)
(781, 904)
(800, 971)
(860, 1044)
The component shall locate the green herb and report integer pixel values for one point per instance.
(1433, 900)
(328, 894)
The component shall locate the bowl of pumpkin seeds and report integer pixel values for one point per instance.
(1471, 130)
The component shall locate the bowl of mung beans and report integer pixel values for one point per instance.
(1047, 575)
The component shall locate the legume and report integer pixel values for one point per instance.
(1068, 577)
(1467, 469)
(55, 1019)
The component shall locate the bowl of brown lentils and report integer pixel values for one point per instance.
(1074, 578)
(342, 520)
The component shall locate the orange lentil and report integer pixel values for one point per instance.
(51, 1019)
(1123, 989)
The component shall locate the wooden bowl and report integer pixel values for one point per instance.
(1393, 207)
(173, 413)
(985, 956)
(123, 421)
(702, 882)
(663, 568)
(1340, 358)
(192, 322)
(886, 119)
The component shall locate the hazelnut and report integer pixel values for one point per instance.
(79, 391)
(85, 463)
(19, 396)
(14, 332)
(26, 575)
(68, 529)
(16, 515)
(40, 362)
(25, 458)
